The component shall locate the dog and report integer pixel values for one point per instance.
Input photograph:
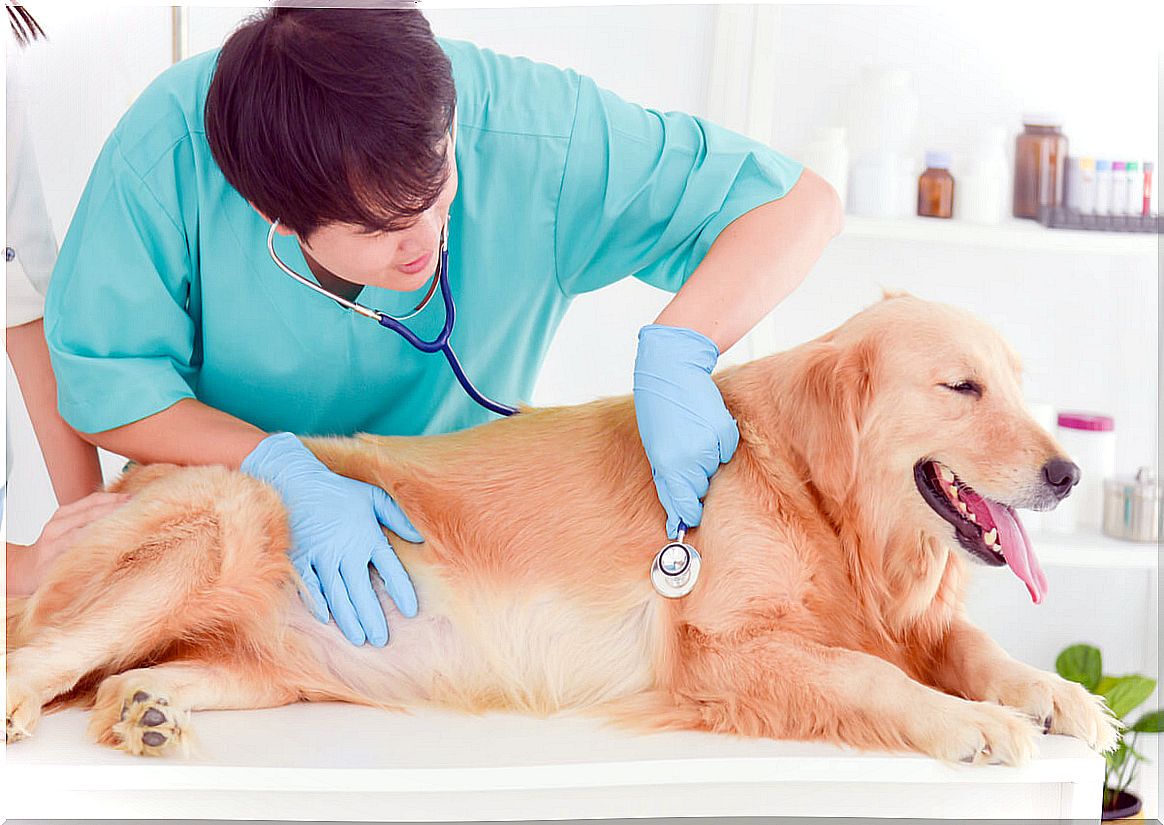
(874, 464)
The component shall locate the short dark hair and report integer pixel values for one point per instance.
(333, 115)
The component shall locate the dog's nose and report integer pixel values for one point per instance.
(1062, 475)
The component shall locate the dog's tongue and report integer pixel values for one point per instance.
(1016, 545)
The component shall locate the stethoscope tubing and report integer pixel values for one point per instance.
(439, 343)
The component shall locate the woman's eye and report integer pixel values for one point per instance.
(965, 388)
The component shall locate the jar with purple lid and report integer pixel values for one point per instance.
(1089, 440)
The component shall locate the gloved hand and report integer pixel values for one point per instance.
(686, 430)
(335, 530)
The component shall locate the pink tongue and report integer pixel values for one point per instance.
(1016, 546)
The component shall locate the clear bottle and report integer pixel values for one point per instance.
(1102, 187)
(1119, 188)
(1135, 199)
(935, 188)
(1040, 154)
(1086, 200)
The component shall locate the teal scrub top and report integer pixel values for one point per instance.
(164, 289)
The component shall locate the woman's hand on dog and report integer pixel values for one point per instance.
(685, 427)
(26, 565)
(335, 529)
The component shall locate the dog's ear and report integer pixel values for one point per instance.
(834, 390)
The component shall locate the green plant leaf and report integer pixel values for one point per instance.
(1115, 759)
(1082, 664)
(1105, 685)
(1149, 722)
(1127, 693)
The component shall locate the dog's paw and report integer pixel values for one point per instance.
(22, 710)
(148, 726)
(976, 733)
(1056, 705)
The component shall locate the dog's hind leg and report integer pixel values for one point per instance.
(197, 556)
(146, 711)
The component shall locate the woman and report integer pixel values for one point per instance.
(29, 252)
(361, 142)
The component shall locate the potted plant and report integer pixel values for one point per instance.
(1083, 664)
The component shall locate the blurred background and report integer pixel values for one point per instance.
(861, 93)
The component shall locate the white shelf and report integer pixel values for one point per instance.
(1091, 548)
(331, 761)
(1012, 234)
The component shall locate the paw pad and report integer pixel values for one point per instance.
(147, 726)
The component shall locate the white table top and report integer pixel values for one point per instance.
(341, 749)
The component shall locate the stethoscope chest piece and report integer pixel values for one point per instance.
(675, 569)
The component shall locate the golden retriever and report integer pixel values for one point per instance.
(874, 463)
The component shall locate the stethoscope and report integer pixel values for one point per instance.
(440, 342)
(675, 568)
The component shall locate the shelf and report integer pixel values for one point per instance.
(1012, 234)
(1091, 548)
(330, 761)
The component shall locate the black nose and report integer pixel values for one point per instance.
(1062, 475)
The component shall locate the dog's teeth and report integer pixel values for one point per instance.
(972, 517)
(962, 508)
(953, 491)
(990, 538)
(946, 473)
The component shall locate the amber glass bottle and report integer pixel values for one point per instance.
(935, 188)
(1040, 158)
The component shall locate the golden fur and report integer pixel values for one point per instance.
(829, 605)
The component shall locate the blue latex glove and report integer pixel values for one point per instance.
(686, 430)
(335, 531)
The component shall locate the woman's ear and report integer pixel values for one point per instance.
(834, 391)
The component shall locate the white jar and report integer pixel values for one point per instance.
(984, 190)
(1086, 203)
(1089, 441)
(1119, 188)
(827, 154)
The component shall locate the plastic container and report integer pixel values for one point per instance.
(1085, 202)
(827, 154)
(1040, 156)
(1072, 185)
(1103, 187)
(935, 187)
(1119, 188)
(1149, 183)
(984, 188)
(1134, 203)
(1132, 508)
(1090, 441)
(882, 115)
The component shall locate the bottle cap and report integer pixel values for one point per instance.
(1149, 166)
(1103, 166)
(1133, 166)
(1118, 166)
(1087, 163)
(1086, 421)
(1037, 118)
(937, 160)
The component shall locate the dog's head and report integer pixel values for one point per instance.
(914, 423)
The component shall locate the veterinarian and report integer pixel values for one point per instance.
(176, 338)
(30, 249)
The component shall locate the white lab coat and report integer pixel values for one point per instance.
(30, 248)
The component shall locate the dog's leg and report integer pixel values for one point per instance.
(787, 688)
(146, 711)
(203, 562)
(968, 663)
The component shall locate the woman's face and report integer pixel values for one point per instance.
(402, 260)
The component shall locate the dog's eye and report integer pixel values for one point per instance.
(966, 388)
